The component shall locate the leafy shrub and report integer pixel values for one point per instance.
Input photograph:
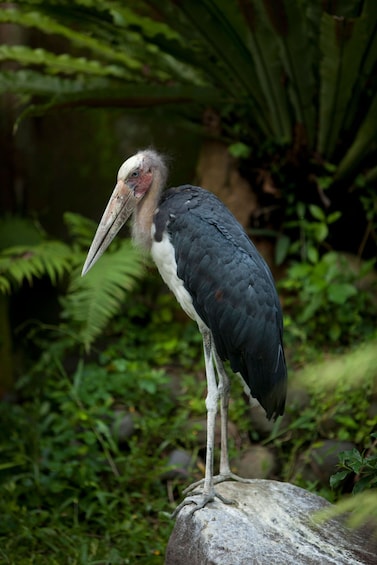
(340, 390)
(361, 508)
(66, 484)
(326, 302)
(362, 465)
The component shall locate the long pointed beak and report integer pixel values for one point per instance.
(119, 208)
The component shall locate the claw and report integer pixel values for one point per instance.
(206, 498)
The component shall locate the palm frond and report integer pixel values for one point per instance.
(343, 44)
(365, 139)
(296, 72)
(59, 63)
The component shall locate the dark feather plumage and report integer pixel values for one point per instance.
(231, 287)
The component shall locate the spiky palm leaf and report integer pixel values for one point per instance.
(300, 71)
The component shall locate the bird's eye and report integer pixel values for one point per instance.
(135, 174)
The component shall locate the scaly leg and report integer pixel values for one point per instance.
(208, 493)
(224, 390)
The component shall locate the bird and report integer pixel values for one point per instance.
(220, 280)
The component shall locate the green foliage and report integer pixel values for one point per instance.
(24, 263)
(364, 466)
(340, 389)
(88, 303)
(357, 511)
(312, 225)
(68, 485)
(324, 298)
(302, 74)
(91, 301)
(326, 302)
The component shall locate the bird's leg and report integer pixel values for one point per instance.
(224, 391)
(211, 405)
(208, 492)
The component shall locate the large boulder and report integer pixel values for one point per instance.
(270, 523)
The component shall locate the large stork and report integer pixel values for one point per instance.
(219, 279)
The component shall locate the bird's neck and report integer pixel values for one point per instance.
(143, 217)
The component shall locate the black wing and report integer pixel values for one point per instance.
(231, 287)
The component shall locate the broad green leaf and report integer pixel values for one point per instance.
(317, 212)
(340, 292)
(333, 217)
(336, 479)
(312, 253)
(321, 231)
(239, 150)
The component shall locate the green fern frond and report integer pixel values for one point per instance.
(5, 286)
(23, 263)
(81, 229)
(93, 300)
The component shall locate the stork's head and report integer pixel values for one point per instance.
(141, 173)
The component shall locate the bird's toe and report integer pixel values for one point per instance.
(229, 476)
(201, 502)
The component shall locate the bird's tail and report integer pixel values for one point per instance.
(268, 384)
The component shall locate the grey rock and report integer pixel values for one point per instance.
(123, 426)
(181, 462)
(259, 422)
(324, 458)
(320, 461)
(257, 462)
(298, 397)
(270, 523)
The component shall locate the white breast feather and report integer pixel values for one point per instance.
(164, 257)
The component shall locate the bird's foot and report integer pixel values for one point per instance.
(205, 499)
(217, 479)
(229, 476)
